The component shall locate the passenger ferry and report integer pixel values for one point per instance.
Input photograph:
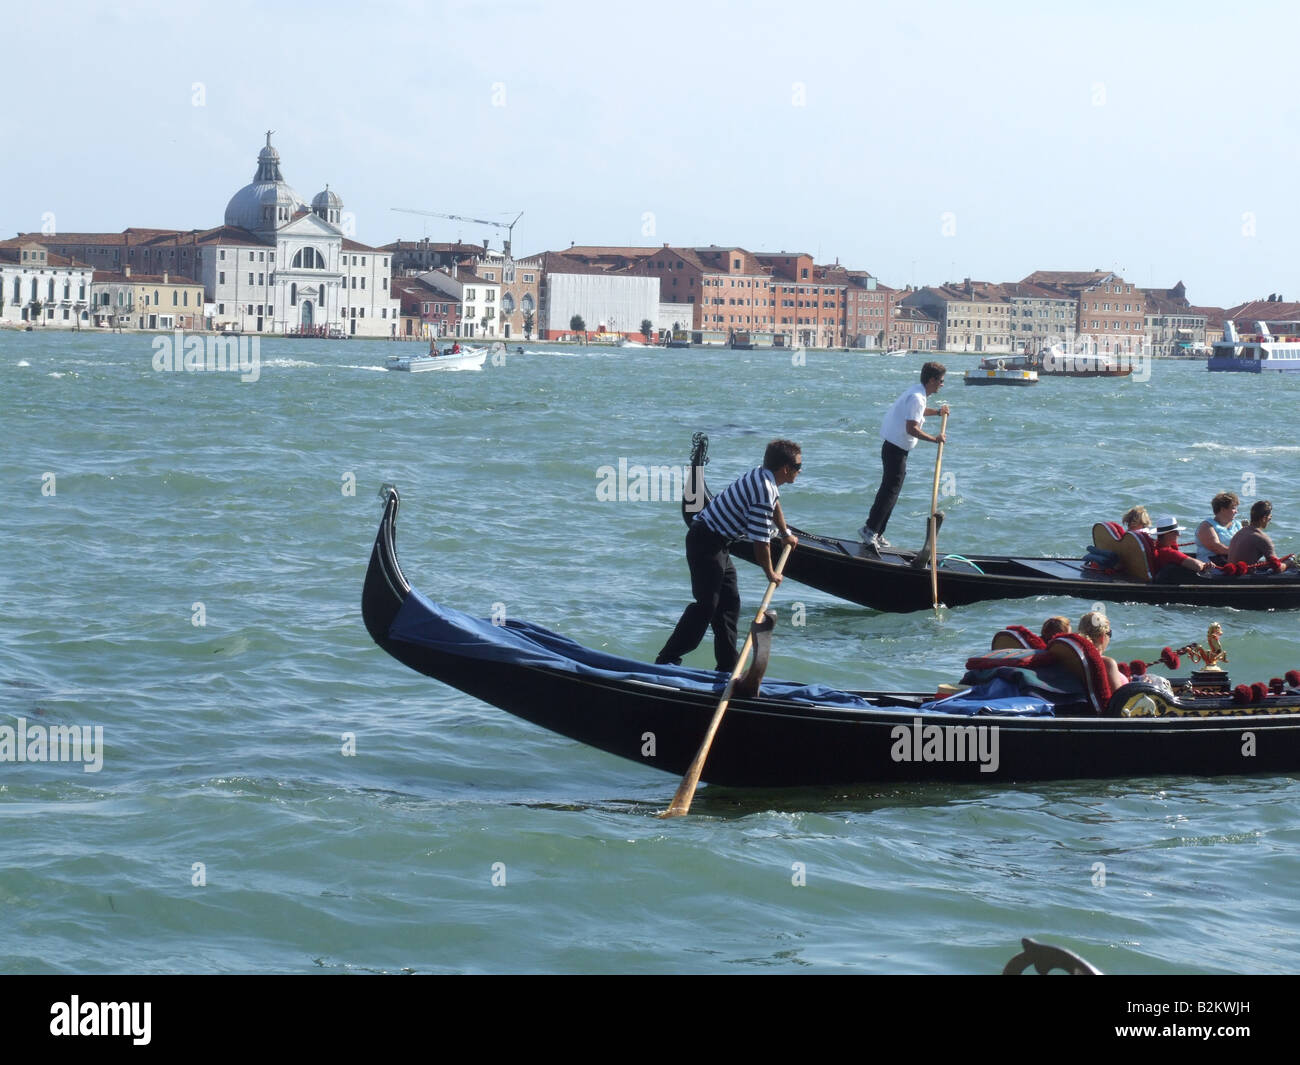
(1257, 352)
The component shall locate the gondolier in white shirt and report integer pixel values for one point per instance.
(749, 509)
(900, 430)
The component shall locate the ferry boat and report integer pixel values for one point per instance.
(1258, 352)
(1003, 370)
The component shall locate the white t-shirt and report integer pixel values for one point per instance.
(909, 407)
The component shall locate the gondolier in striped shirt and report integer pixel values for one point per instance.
(749, 509)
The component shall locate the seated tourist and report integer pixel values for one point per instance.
(1252, 543)
(1054, 626)
(1096, 627)
(1166, 555)
(1137, 519)
(1214, 535)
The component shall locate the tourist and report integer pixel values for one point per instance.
(1252, 543)
(1137, 520)
(1166, 555)
(1096, 627)
(749, 509)
(1055, 626)
(901, 429)
(1214, 535)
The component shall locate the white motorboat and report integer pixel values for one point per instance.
(465, 359)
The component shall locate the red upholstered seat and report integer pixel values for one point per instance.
(1017, 636)
(1080, 656)
(1136, 549)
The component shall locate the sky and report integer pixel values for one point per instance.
(925, 142)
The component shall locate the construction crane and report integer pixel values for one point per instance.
(508, 227)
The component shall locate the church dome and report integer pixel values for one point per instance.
(326, 200)
(267, 202)
(328, 205)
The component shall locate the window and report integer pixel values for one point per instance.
(221, 277)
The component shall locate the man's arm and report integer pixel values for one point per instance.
(763, 556)
(782, 529)
(914, 429)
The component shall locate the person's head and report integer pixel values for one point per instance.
(784, 458)
(932, 375)
(1055, 626)
(1096, 627)
(1224, 504)
(1137, 518)
(1167, 530)
(1261, 513)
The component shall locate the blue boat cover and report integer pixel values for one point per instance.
(999, 697)
(421, 621)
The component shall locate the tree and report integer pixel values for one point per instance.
(577, 324)
(36, 307)
(529, 322)
(646, 326)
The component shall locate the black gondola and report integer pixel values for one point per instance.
(656, 715)
(896, 581)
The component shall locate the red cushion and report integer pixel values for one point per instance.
(1021, 635)
(1094, 670)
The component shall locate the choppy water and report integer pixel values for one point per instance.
(227, 831)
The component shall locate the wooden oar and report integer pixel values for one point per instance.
(934, 525)
(681, 803)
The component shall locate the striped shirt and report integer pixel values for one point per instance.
(744, 510)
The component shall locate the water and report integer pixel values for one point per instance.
(228, 832)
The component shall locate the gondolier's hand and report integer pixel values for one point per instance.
(773, 577)
(788, 537)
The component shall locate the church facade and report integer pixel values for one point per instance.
(277, 265)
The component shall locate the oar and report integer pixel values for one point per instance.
(934, 525)
(681, 803)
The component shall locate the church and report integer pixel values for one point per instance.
(275, 265)
(279, 266)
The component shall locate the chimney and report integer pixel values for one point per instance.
(164, 277)
(126, 270)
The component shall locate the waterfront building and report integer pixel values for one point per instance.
(1172, 326)
(276, 264)
(130, 300)
(478, 301)
(43, 287)
(426, 312)
(912, 329)
(611, 301)
(973, 315)
(1040, 316)
(1110, 312)
(521, 283)
(806, 300)
(412, 257)
(868, 311)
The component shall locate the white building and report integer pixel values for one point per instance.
(606, 302)
(278, 266)
(40, 287)
(480, 300)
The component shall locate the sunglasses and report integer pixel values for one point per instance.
(796, 466)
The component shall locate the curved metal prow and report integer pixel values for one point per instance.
(695, 492)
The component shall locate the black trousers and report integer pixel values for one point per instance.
(717, 600)
(894, 460)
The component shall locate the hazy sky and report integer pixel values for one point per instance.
(924, 142)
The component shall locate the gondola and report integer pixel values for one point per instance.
(897, 581)
(795, 735)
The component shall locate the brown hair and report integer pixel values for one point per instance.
(1223, 501)
(1054, 626)
(931, 370)
(781, 453)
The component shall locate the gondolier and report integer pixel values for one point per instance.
(900, 431)
(749, 509)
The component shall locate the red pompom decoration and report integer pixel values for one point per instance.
(1276, 564)
(1293, 678)
(1125, 669)
(1241, 695)
(1170, 658)
(1258, 692)
(1137, 668)
(1243, 568)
